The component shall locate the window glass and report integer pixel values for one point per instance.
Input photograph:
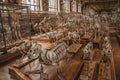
(52, 5)
(64, 5)
(33, 4)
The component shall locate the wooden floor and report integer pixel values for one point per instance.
(4, 73)
(116, 56)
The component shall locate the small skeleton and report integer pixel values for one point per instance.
(74, 36)
(87, 50)
(107, 49)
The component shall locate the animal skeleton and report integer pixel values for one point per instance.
(53, 56)
(74, 36)
(23, 46)
(87, 50)
(107, 47)
(34, 51)
(56, 54)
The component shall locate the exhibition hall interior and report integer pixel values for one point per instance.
(59, 39)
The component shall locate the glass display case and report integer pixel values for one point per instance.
(15, 25)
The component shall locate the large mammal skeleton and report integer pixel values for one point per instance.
(48, 57)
